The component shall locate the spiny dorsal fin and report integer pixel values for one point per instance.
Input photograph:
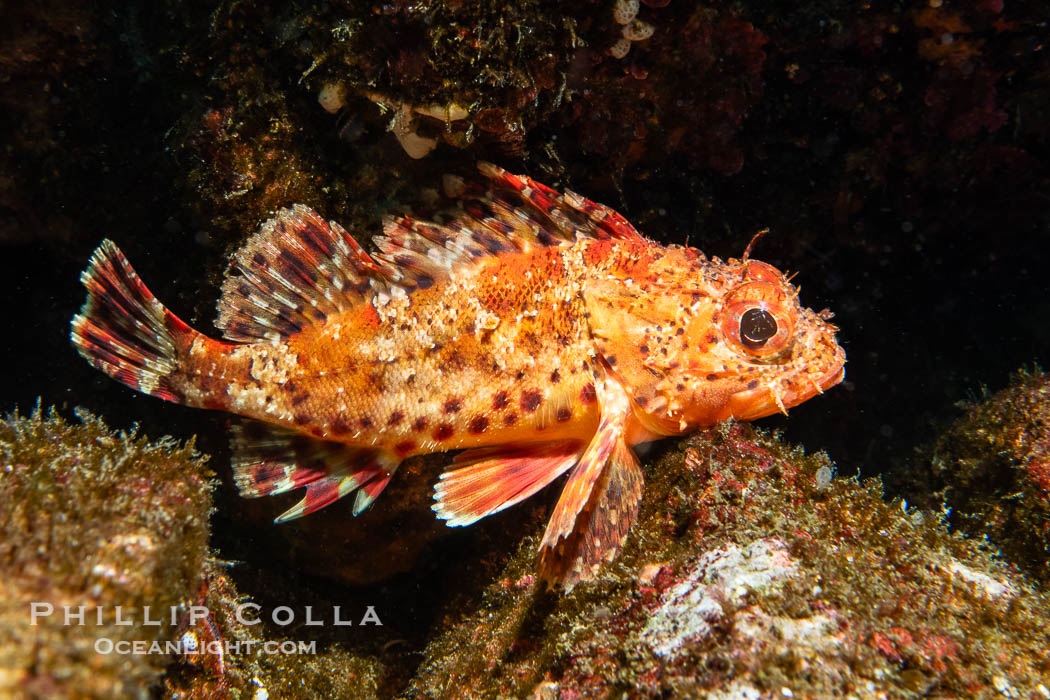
(569, 214)
(512, 214)
(296, 270)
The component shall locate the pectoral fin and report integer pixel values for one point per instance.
(599, 501)
(602, 525)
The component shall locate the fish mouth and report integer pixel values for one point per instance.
(761, 401)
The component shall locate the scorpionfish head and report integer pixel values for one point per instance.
(697, 341)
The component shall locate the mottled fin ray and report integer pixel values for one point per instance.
(296, 270)
(488, 479)
(562, 548)
(124, 331)
(601, 527)
(268, 460)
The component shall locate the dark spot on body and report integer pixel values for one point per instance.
(680, 331)
(340, 426)
(366, 422)
(564, 414)
(752, 384)
(500, 401)
(641, 401)
(644, 349)
(555, 377)
(444, 432)
(588, 394)
(679, 387)
(404, 447)
(712, 377)
(419, 424)
(395, 418)
(479, 425)
(531, 400)
(611, 359)
(453, 405)
(301, 418)
(510, 419)
(299, 399)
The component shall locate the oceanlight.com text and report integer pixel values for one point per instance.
(105, 645)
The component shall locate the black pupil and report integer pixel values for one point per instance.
(756, 327)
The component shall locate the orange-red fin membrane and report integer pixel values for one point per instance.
(602, 525)
(268, 460)
(490, 479)
(296, 270)
(124, 331)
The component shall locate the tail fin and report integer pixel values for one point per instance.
(124, 331)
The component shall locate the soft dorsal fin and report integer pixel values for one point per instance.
(296, 270)
(513, 213)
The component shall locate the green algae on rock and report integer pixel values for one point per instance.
(992, 468)
(92, 520)
(750, 573)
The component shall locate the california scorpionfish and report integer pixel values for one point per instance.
(537, 332)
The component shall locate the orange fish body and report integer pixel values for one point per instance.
(536, 331)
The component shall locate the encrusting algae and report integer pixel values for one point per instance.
(538, 331)
(91, 520)
(991, 469)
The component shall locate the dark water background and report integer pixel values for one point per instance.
(909, 189)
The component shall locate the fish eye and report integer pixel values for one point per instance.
(756, 327)
(758, 320)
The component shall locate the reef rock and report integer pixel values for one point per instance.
(752, 572)
(992, 468)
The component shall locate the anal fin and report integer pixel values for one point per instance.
(268, 460)
(489, 479)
